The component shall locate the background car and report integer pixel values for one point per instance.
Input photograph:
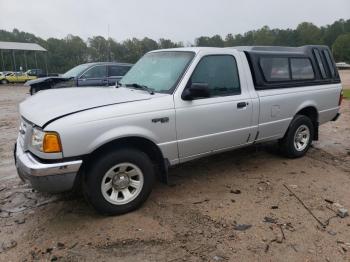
(39, 73)
(35, 72)
(3, 73)
(16, 77)
(91, 74)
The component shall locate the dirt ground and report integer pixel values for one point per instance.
(345, 78)
(229, 207)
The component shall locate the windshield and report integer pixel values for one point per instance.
(159, 71)
(75, 71)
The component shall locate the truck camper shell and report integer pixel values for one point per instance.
(286, 67)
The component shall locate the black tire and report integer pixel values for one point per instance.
(96, 171)
(4, 82)
(32, 91)
(289, 148)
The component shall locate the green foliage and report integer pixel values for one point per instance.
(308, 34)
(215, 41)
(341, 48)
(65, 53)
(346, 93)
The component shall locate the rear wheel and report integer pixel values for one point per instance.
(298, 138)
(119, 182)
(4, 82)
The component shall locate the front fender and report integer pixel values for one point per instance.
(121, 132)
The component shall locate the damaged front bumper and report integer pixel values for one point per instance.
(46, 177)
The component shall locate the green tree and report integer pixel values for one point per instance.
(56, 55)
(117, 51)
(264, 36)
(98, 49)
(308, 34)
(331, 32)
(167, 43)
(215, 41)
(341, 48)
(76, 50)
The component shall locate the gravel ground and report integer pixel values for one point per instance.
(230, 207)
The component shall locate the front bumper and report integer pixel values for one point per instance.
(52, 177)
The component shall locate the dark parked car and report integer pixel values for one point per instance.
(36, 72)
(91, 74)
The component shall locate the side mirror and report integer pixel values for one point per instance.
(196, 90)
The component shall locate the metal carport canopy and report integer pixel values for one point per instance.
(21, 46)
(17, 46)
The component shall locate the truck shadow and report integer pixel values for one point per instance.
(214, 165)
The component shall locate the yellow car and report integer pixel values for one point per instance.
(15, 77)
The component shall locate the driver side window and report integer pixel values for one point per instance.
(96, 72)
(220, 72)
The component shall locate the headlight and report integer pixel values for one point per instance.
(47, 142)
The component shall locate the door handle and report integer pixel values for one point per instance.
(242, 104)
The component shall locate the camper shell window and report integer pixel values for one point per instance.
(301, 69)
(275, 68)
(320, 63)
(286, 68)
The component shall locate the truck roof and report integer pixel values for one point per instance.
(188, 49)
(263, 49)
(108, 63)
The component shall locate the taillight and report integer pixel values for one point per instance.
(341, 97)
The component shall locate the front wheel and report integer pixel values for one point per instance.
(4, 82)
(32, 91)
(119, 182)
(298, 138)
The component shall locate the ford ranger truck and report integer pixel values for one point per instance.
(173, 106)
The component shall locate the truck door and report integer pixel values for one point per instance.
(221, 121)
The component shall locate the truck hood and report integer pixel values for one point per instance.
(52, 104)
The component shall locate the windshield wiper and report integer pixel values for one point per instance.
(142, 87)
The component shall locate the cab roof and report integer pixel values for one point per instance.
(264, 49)
(189, 49)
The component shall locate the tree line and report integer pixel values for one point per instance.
(70, 51)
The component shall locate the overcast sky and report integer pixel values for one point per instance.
(179, 20)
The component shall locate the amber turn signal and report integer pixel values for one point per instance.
(52, 143)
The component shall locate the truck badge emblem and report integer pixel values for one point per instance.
(161, 120)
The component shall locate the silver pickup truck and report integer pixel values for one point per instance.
(173, 106)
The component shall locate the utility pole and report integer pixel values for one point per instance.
(2, 59)
(14, 60)
(25, 60)
(36, 60)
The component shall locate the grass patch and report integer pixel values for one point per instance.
(346, 93)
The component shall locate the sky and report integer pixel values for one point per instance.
(180, 20)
